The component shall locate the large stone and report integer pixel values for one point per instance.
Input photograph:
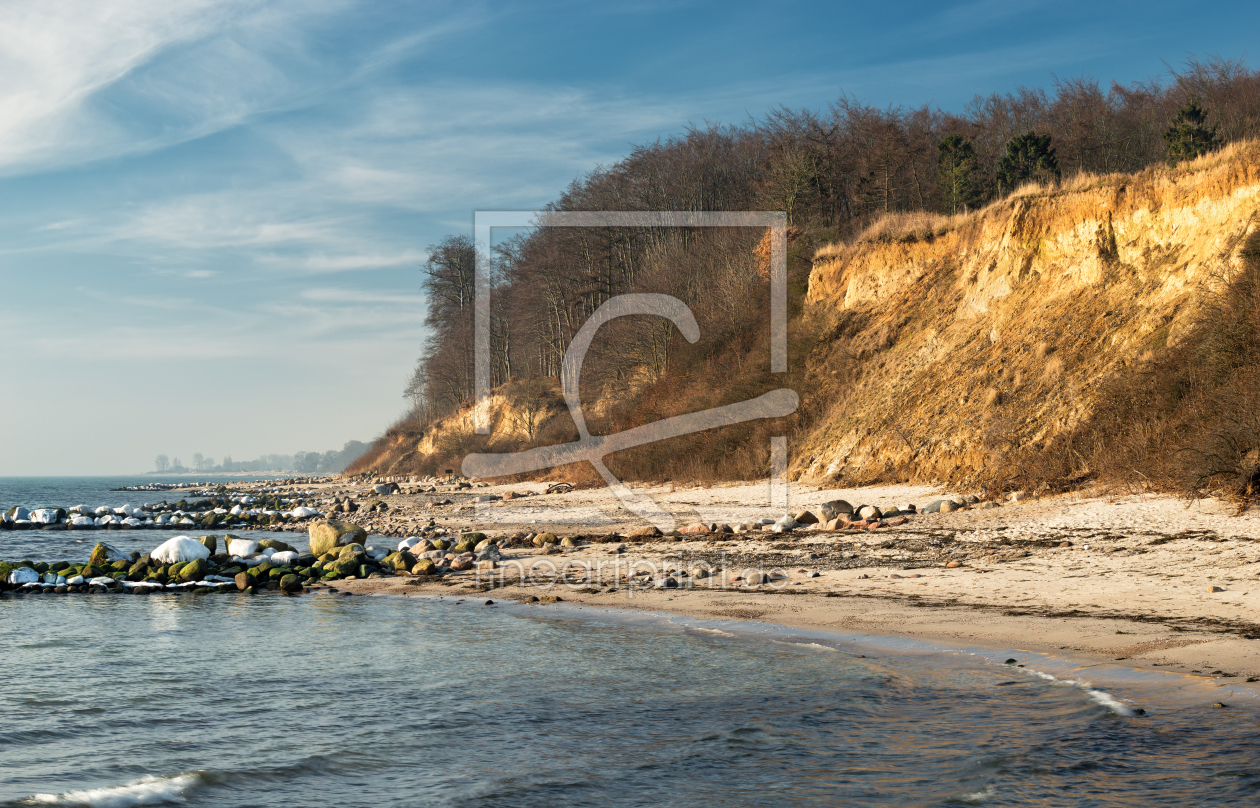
(47, 516)
(243, 581)
(103, 554)
(193, 570)
(278, 546)
(835, 509)
(290, 583)
(211, 543)
(330, 534)
(424, 566)
(644, 533)
(23, 575)
(241, 547)
(806, 518)
(344, 567)
(870, 512)
(180, 549)
(472, 538)
(545, 538)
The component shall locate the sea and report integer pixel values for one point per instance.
(332, 700)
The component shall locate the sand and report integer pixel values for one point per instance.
(1135, 587)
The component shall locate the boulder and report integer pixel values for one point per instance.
(23, 575)
(424, 566)
(47, 516)
(568, 542)
(870, 512)
(241, 547)
(304, 513)
(644, 533)
(103, 554)
(835, 508)
(441, 544)
(472, 538)
(344, 567)
(545, 538)
(290, 583)
(243, 581)
(193, 570)
(18, 513)
(284, 558)
(694, 530)
(211, 543)
(330, 534)
(409, 542)
(180, 549)
(806, 518)
(277, 545)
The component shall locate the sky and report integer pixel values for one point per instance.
(213, 212)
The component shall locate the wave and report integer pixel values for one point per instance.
(1099, 697)
(145, 791)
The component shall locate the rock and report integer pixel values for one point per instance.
(487, 564)
(1018, 496)
(241, 547)
(409, 542)
(285, 558)
(953, 565)
(243, 581)
(813, 574)
(211, 543)
(330, 534)
(545, 538)
(462, 563)
(756, 578)
(441, 544)
(934, 506)
(424, 566)
(949, 506)
(1212, 589)
(644, 533)
(23, 575)
(277, 545)
(694, 530)
(668, 582)
(304, 513)
(103, 554)
(384, 488)
(47, 516)
(180, 549)
(991, 505)
(701, 573)
(835, 509)
(568, 542)
(193, 570)
(870, 512)
(344, 567)
(484, 543)
(290, 583)
(806, 518)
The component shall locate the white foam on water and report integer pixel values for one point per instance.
(145, 791)
(976, 797)
(1099, 697)
(819, 646)
(717, 631)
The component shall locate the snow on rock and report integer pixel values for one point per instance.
(46, 516)
(304, 513)
(23, 575)
(242, 547)
(82, 520)
(408, 543)
(180, 548)
(284, 557)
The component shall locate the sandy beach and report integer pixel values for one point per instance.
(1146, 581)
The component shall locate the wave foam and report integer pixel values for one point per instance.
(145, 791)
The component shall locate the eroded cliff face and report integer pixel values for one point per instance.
(959, 357)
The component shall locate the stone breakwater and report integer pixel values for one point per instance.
(214, 509)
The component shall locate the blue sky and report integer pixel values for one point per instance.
(212, 212)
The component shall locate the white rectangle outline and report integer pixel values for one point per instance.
(775, 221)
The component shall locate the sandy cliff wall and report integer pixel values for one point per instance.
(957, 355)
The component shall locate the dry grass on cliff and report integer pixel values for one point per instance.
(1187, 419)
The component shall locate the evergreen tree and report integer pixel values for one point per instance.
(1189, 135)
(957, 174)
(1028, 157)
